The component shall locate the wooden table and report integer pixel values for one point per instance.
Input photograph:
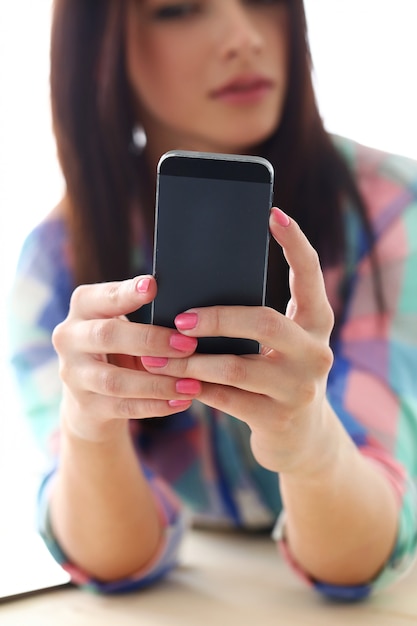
(224, 579)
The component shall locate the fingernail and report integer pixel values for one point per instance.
(183, 343)
(177, 403)
(280, 217)
(154, 361)
(143, 285)
(188, 385)
(186, 321)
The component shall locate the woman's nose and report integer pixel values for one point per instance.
(237, 31)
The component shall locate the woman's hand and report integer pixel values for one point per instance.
(280, 393)
(329, 489)
(99, 351)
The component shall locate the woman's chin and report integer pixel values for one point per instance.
(241, 142)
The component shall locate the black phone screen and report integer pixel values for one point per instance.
(211, 242)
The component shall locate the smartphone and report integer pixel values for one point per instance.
(211, 237)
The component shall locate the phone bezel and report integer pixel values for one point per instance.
(227, 167)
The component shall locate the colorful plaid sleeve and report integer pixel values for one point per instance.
(39, 301)
(377, 353)
(373, 383)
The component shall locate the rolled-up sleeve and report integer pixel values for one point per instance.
(174, 524)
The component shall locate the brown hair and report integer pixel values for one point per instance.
(93, 118)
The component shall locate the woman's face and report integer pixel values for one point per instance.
(208, 75)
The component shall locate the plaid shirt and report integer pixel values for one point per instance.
(200, 460)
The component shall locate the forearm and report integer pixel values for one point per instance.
(102, 510)
(341, 523)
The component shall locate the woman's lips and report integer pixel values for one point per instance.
(243, 90)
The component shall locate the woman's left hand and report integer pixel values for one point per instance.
(281, 392)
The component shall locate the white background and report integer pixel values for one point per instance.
(365, 57)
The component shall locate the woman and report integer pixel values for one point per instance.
(337, 424)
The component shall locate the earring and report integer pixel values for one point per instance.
(139, 140)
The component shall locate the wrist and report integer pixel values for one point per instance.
(326, 448)
(82, 425)
(331, 450)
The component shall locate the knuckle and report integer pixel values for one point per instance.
(127, 408)
(77, 296)
(64, 371)
(220, 397)
(313, 260)
(309, 263)
(320, 358)
(153, 408)
(147, 337)
(329, 318)
(102, 333)
(58, 336)
(325, 360)
(110, 383)
(214, 320)
(269, 324)
(233, 371)
(112, 293)
(155, 387)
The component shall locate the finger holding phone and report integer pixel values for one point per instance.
(104, 382)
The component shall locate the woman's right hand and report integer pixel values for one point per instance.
(99, 350)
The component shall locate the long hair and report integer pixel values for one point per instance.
(93, 117)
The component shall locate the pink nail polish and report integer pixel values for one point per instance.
(154, 361)
(280, 217)
(186, 321)
(143, 285)
(178, 403)
(188, 386)
(183, 343)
